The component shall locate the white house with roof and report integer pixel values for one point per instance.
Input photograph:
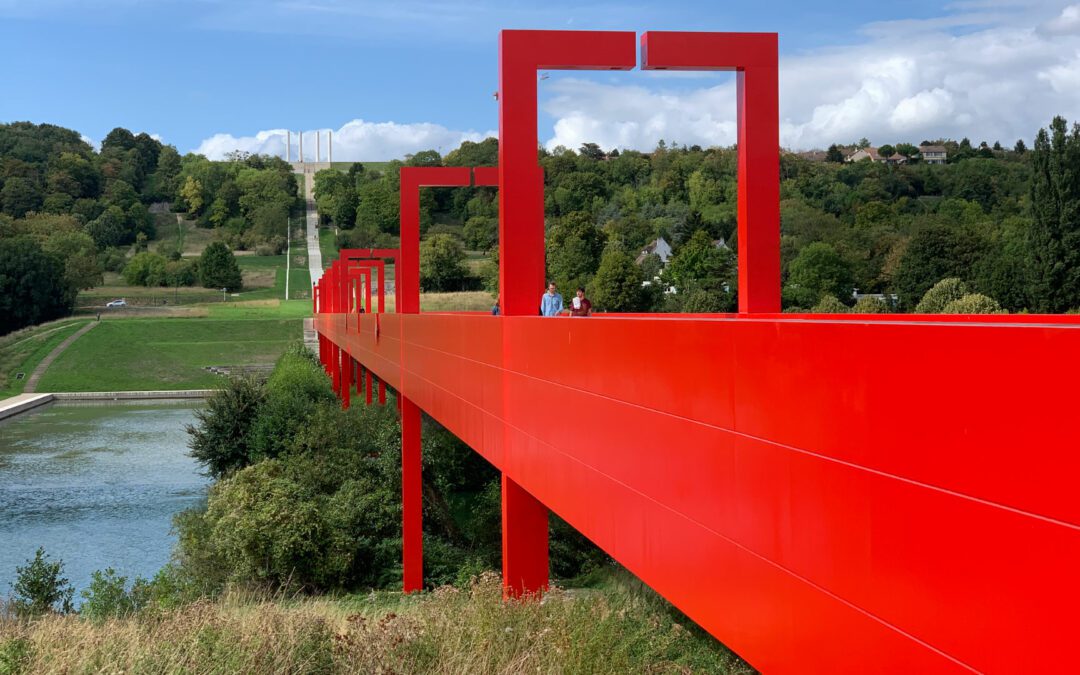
(660, 247)
(933, 154)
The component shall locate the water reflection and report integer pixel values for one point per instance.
(96, 486)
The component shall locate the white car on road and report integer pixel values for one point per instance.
(117, 303)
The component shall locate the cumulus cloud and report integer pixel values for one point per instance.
(358, 140)
(989, 70)
(1066, 23)
(908, 81)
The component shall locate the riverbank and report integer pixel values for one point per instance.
(16, 405)
(614, 626)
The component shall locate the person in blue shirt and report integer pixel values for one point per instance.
(551, 302)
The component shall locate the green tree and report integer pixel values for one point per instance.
(973, 303)
(32, 285)
(40, 587)
(110, 228)
(218, 268)
(481, 232)
(829, 304)
(221, 438)
(77, 250)
(936, 252)
(816, 271)
(442, 264)
(699, 262)
(146, 269)
(940, 295)
(834, 154)
(574, 245)
(192, 193)
(617, 284)
(1054, 241)
(19, 196)
(886, 151)
(870, 305)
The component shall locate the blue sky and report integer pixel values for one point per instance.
(211, 74)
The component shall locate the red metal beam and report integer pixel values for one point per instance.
(754, 57)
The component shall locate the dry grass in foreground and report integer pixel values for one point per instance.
(618, 629)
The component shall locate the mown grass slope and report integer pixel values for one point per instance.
(167, 353)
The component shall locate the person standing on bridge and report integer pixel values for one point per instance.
(580, 305)
(551, 302)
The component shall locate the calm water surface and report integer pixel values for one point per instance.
(97, 486)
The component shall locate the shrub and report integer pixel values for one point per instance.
(109, 596)
(40, 587)
(15, 655)
(941, 294)
(221, 439)
(829, 304)
(869, 305)
(146, 269)
(973, 303)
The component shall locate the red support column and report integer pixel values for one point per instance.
(412, 536)
(382, 393)
(367, 386)
(407, 289)
(521, 238)
(346, 379)
(524, 541)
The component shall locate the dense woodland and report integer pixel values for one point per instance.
(1001, 221)
(69, 213)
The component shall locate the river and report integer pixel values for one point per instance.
(96, 486)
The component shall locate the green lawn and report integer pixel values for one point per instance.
(139, 354)
(22, 351)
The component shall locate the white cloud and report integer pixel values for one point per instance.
(1008, 75)
(1066, 23)
(89, 141)
(357, 140)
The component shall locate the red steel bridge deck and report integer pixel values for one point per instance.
(892, 496)
(845, 493)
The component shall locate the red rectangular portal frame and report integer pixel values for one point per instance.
(754, 57)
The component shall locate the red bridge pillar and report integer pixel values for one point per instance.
(521, 238)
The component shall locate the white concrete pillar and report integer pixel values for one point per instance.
(301, 147)
(318, 147)
(330, 145)
(288, 146)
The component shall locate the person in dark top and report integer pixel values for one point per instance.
(580, 305)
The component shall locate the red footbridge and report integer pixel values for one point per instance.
(878, 493)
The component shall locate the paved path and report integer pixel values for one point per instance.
(31, 384)
(314, 256)
(20, 403)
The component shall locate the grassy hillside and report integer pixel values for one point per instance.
(167, 353)
(22, 351)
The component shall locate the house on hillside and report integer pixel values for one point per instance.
(933, 154)
(658, 246)
(866, 153)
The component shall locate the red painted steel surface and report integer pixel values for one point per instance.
(754, 57)
(844, 493)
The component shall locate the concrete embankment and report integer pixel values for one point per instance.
(25, 402)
